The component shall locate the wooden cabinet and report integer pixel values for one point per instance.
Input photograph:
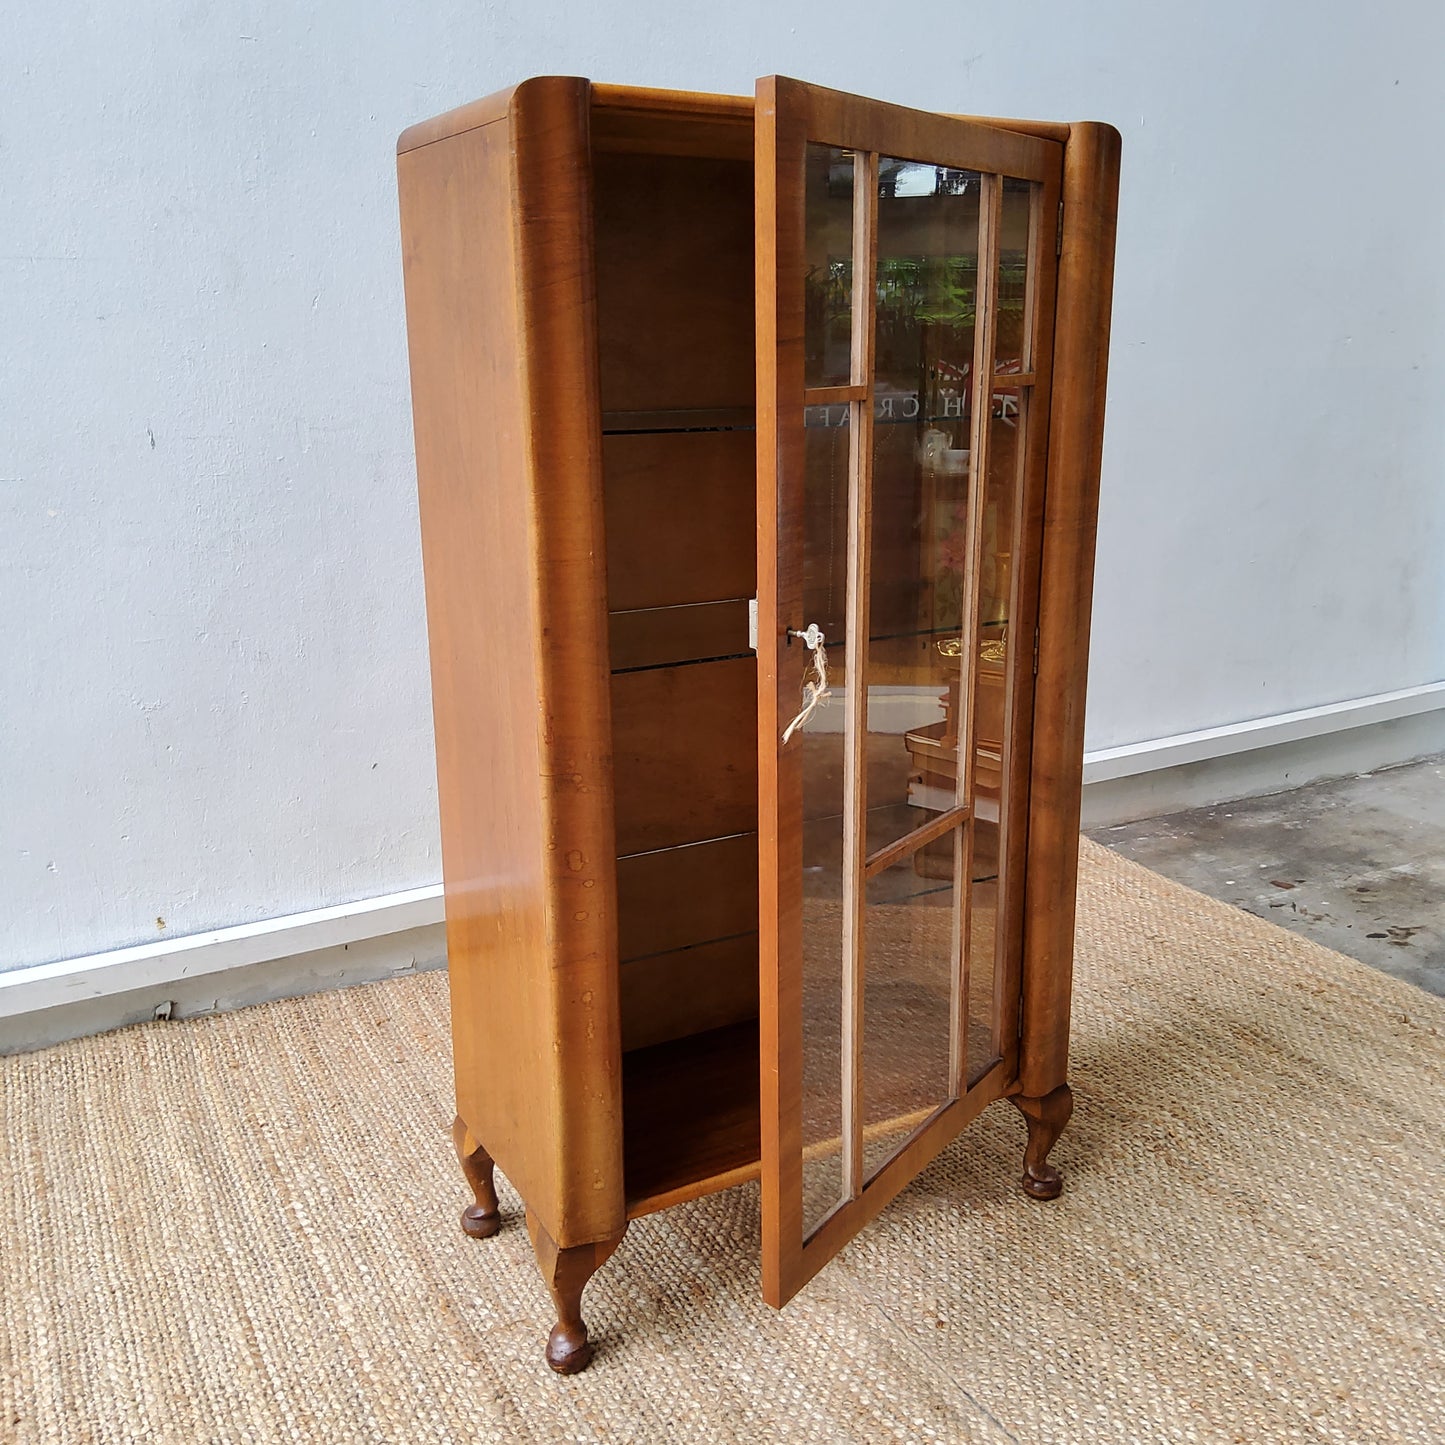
(758, 449)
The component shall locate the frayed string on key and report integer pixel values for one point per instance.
(815, 689)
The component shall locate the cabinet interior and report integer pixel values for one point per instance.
(673, 213)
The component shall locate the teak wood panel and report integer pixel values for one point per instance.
(666, 107)
(1071, 505)
(780, 791)
(681, 510)
(674, 281)
(451, 123)
(501, 321)
(672, 132)
(854, 123)
(667, 122)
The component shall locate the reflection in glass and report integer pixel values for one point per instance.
(910, 934)
(926, 293)
(1007, 427)
(928, 234)
(820, 740)
(1011, 344)
(928, 592)
(828, 278)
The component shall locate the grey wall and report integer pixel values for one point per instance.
(213, 690)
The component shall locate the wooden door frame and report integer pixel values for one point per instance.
(788, 115)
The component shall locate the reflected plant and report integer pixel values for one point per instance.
(915, 297)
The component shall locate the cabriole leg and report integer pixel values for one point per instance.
(566, 1272)
(1046, 1119)
(482, 1219)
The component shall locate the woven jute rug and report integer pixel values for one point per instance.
(243, 1228)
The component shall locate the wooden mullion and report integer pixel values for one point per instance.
(985, 329)
(910, 843)
(855, 768)
(941, 1128)
(834, 395)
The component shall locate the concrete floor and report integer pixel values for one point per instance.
(1357, 863)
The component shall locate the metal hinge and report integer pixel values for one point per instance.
(1036, 652)
(1059, 234)
(753, 623)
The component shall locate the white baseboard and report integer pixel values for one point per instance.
(1265, 755)
(300, 953)
(901, 709)
(402, 932)
(1311, 722)
(217, 990)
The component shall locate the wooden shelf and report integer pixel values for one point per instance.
(690, 1117)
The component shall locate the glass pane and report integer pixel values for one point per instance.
(828, 279)
(926, 284)
(926, 288)
(1011, 346)
(909, 940)
(1007, 427)
(820, 740)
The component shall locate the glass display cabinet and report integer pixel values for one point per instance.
(758, 448)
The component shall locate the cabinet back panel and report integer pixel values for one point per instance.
(672, 995)
(677, 897)
(681, 517)
(685, 768)
(684, 748)
(696, 632)
(674, 241)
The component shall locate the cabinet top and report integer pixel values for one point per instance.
(633, 98)
(621, 101)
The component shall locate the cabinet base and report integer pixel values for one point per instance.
(482, 1219)
(566, 1272)
(1046, 1119)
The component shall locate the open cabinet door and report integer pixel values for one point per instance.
(905, 284)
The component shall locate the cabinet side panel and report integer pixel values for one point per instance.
(1071, 505)
(484, 620)
(557, 316)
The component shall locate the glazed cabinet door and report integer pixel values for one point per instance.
(905, 283)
